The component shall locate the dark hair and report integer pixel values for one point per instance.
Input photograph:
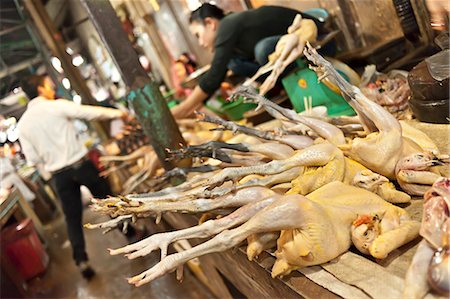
(30, 85)
(207, 10)
(190, 61)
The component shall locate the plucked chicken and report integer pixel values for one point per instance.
(314, 230)
(288, 48)
(430, 268)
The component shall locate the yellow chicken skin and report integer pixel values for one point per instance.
(324, 231)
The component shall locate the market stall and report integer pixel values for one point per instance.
(308, 178)
(342, 274)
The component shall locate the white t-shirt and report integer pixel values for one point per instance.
(47, 133)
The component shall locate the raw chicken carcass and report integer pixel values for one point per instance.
(431, 263)
(315, 229)
(287, 49)
(379, 185)
(324, 129)
(384, 146)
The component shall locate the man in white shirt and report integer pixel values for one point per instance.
(48, 137)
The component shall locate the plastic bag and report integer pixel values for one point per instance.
(439, 65)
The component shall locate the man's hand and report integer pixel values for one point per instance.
(126, 117)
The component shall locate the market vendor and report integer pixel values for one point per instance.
(241, 42)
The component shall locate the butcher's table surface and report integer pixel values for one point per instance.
(349, 276)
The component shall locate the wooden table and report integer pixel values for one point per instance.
(349, 276)
(252, 279)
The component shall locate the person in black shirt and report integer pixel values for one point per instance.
(241, 42)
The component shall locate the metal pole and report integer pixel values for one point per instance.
(144, 96)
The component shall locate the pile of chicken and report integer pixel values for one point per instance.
(141, 164)
(388, 90)
(297, 183)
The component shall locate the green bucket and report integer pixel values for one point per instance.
(232, 110)
(303, 83)
(235, 110)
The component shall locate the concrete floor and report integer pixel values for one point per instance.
(63, 280)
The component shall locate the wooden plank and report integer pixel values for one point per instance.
(29, 213)
(253, 279)
(215, 282)
(328, 281)
(249, 278)
(298, 282)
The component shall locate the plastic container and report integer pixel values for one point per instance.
(303, 83)
(433, 111)
(235, 110)
(424, 86)
(22, 247)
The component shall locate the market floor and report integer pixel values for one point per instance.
(63, 280)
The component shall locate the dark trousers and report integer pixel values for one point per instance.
(67, 184)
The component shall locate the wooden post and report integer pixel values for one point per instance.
(149, 105)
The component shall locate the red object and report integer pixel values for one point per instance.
(22, 247)
(94, 155)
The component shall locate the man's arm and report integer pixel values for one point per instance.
(193, 102)
(88, 112)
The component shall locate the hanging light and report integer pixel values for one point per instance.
(3, 137)
(56, 63)
(77, 60)
(66, 83)
(12, 134)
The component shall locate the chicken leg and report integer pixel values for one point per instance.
(315, 155)
(204, 230)
(315, 229)
(322, 128)
(382, 148)
(294, 141)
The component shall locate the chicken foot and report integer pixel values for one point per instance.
(157, 182)
(272, 150)
(294, 141)
(322, 128)
(315, 155)
(275, 217)
(224, 197)
(113, 223)
(280, 65)
(282, 48)
(204, 230)
(170, 191)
